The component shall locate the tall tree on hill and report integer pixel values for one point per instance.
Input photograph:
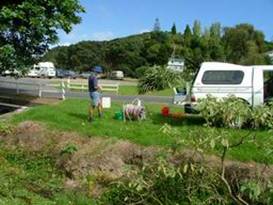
(196, 35)
(157, 27)
(187, 36)
(197, 31)
(243, 41)
(27, 27)
(216, 48)
(173, 30)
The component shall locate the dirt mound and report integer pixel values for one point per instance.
(104, 157)
(29, 127)
(27, 135)
(80, 156)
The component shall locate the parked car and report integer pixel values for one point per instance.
(72, 74)
(253, 84)
(60, 73)
(12, 73)
(85, 75)
(117, 75)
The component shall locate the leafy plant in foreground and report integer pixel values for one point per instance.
(233, 112)
(158, 78)
(262, 116)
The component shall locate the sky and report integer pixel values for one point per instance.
(109, 19)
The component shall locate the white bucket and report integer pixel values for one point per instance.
(106, 102)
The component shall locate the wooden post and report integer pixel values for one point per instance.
(117, 88)
(82, 86)
(17, 87)
(40, 90)
(63, 90)
(68, 83)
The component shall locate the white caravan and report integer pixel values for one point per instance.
(117, 75)
(47, 69)
(35, 71)
(43, 69)
(254, 84)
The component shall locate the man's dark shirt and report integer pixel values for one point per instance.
(92, 83)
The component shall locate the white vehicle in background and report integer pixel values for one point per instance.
(47, 69)
(117, 75)
(34, 72)
(11, 73)
(253, 84)
(43, 69)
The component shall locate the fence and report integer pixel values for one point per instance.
(82, 86)
(36, 88)
(59, 89)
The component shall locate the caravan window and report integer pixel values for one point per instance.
(234, 77)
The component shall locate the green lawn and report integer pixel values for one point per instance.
(129, 90)
(71, 115)
(132, 90)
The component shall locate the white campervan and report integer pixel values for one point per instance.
(47, 69)
(117, 75)
(254, 84)
(34, 72)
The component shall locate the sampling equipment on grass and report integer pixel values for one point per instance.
(134, 110)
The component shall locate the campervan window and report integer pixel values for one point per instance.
(234, 77)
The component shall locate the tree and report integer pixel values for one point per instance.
(157, 27)
(187, 36)
(215, 30)
(241, 44)
(197, 28)
(174, 29)
(243, 41)
(28, 27)
(216, 49)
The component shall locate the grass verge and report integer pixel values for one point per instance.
(132, 90)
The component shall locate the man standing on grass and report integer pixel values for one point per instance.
(95, 95)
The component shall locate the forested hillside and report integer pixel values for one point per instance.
(242, 44)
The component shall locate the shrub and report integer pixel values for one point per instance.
(165, 183)
(211, 110)
(141, 71)
(229, 112)
(233, 112)
(262, 116)
(158, 78)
